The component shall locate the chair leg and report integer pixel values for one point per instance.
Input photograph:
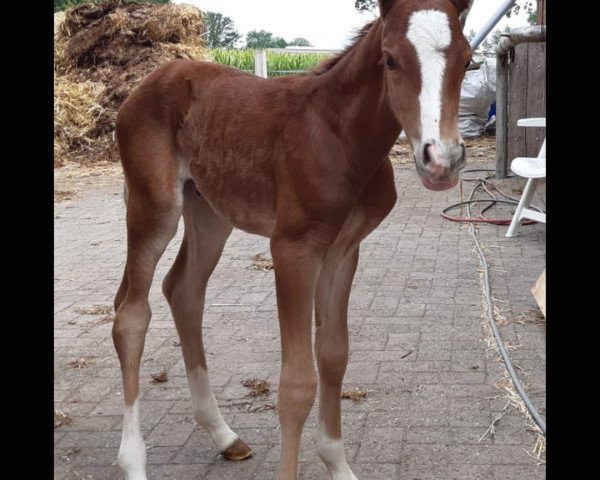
(525, 201)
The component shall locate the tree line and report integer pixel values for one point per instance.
(220, 32)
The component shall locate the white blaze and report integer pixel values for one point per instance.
(132, 452)
(429, 32)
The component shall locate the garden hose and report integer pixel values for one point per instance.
(486, 276)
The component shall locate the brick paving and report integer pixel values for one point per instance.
(417, 346)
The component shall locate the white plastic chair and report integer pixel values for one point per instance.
(532, 168)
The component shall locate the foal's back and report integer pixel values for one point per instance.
(234, 134)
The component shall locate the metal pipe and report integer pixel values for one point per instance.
(536, 33)
(491, 23)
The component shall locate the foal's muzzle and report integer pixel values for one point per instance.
(438, 163)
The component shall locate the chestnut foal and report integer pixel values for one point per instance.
(302, 160)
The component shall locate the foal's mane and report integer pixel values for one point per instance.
(329, 63)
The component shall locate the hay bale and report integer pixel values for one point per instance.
(59, 18)
(114, 45)
(76, 110)
(105, 33)
(60, 43)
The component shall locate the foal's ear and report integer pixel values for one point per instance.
(462, 5)
(385, 6)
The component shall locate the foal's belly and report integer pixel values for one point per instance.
(241, 192)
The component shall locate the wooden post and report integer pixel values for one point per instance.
(501, 115)
(541, 12)
(536, 96)
(260, 63)
(518, 97)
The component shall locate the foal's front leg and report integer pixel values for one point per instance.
(296, 266)
(331, 346)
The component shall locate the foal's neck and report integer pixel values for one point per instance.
(357, 103)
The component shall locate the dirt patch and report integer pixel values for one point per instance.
(356, 395)
(160, 377)
(69, 453)
(79, 363)
(63, 195)
(75, 171)
(531, 315)
(105, 319)
(61, 418)
(401, 153)
(481, 149)
(95, 310)
(75, 177)
(261, 262)
(257, 387)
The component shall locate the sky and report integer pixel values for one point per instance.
(327, 24)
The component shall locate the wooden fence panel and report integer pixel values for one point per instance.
(526, 99)
(536, 95)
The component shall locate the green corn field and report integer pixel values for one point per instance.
(278, 63)
(240, 59)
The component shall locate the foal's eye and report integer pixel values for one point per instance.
(389, 61)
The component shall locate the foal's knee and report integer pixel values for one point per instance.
(297, 392)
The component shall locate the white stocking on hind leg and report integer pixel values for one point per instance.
(185, 287)
(151, 232)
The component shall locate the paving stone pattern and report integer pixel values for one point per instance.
(417, 346)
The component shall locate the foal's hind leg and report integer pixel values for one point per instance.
(152, 219)
(185, 287)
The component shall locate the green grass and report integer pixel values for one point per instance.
(278, 63)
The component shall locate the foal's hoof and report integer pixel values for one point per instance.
(238, 451)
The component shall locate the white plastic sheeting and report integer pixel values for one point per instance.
(478, 92)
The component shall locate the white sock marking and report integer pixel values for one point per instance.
(206, 411)
(132, 452)
(429, 32)
(331, 451)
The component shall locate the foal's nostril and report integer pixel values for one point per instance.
(463, 154)
(426, 155)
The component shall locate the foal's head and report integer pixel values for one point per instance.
(425, 55)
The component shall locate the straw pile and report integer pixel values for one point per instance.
(101, 52)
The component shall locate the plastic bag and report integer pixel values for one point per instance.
(477, 93)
